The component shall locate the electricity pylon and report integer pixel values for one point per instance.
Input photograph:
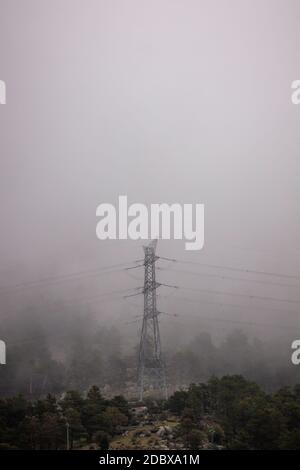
(151, 369)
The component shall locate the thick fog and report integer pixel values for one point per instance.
(162, 101)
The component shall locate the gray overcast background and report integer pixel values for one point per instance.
(162, 100)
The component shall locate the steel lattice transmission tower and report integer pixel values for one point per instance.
(151, 368)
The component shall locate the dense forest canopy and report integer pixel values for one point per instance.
(223, 413)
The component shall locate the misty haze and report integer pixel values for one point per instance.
(164, 102)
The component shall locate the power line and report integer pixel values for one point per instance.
(178, 315)
(232, 268)
(68, 277)
(150, 290)
(226, 304)
(235, 294)
(226, 320)
(221, 276)
(89, 299)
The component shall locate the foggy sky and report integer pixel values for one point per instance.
(164, 101)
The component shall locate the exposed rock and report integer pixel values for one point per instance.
(164, 431)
